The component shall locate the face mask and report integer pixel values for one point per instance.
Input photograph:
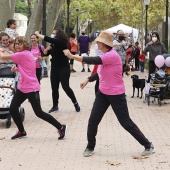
(52, 36)
(5, 45)
(83, 33)
(154, 39)
(121, 37)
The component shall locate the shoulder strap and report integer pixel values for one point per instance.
(39, 46)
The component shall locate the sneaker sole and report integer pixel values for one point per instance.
(150, 153)
(54, 111)
(85, 155)
(20, 137)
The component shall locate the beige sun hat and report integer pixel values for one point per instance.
(105, 38)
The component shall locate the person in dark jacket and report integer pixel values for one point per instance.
(154, 47)
(60, 68)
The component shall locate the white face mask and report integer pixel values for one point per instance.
(52, 36)
(5, 45)
(154, 39)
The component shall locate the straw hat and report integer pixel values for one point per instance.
(105, 38)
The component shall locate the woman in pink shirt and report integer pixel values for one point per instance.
(111, 92)
(28, 88)
(38, 57)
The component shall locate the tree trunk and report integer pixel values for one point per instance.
(7, 8)
(29, 7)
(53, 13)
(35, 20)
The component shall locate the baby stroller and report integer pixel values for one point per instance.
(158, 88)
(8, 85)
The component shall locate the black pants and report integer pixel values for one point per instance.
(96, 86)
(119, 106)
(136, 62)
(152, 68)
(61, 75)
(34, 99)
(39, 74)
(72, 60)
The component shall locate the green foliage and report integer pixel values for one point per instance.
(108, 13)
(22, 7)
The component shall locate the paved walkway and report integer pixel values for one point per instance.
(115, 149)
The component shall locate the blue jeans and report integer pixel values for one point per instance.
(142, 65)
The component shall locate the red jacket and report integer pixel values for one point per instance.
(142, 57)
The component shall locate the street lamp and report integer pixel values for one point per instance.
(44, 33)
(44, 21)
(68, 18)
(166, 26)
(77, 30)
(146, 2)
(88, 27)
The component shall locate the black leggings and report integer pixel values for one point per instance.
(72, 60)
(39, 74)
(119, 106)
(152, 68)
(61, 75)
(34, 99)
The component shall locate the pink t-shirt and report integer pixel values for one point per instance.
(110, 74)
(36, 52)
(28, 81)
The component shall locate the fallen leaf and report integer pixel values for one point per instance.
(140, 157)
(113, 163)
(108, 145)
(162, 162)
(167, 144)
(2, 138)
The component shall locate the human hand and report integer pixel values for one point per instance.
(37, 33)
(83, 84)
(1, 50)
(14, 69)
(150, 43)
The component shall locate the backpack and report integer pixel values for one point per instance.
(133, 52)
(69, 45)
(42, 63)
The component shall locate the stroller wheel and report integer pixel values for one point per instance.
(8, 123)
(22, 113)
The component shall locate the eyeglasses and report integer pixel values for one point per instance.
(18, 44)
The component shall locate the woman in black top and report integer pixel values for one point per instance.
(60, 68)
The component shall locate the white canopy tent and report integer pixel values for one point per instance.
(126, 29)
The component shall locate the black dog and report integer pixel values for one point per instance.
(139, 84)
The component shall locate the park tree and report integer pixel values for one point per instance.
(7, 9)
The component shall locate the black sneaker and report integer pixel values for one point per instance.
(62, 132)
(83, 70)
(89, 70)
(77, 107)
(53, 109)
(19, 135)
(73, 71)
